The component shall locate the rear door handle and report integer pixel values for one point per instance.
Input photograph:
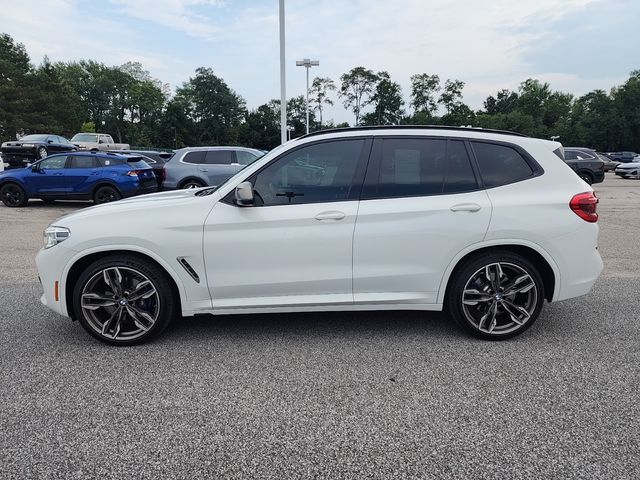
(203, 169)
(466, 207)
(331, 215)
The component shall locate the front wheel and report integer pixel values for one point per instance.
(124, 300)
(42, 153)
(13, 195)
(496, 296)
(106, 194)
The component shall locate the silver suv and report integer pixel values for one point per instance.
(196, 167)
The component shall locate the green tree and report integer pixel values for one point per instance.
(356, 89)
(387, 102)
(424, 89)
(505, 101)
(319, 94)
(15, 101)
(451, 96)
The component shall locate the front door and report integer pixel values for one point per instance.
(48, 179)
(294, 246)
(421, 206)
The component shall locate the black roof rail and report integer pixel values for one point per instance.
(411, 127)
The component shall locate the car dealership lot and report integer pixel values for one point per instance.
(325, 395)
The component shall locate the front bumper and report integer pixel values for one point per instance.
(51, 264)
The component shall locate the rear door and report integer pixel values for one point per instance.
(81, 173)
(421, 205)
(220, 165)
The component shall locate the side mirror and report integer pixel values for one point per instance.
(49, 141)
(35, 168)
(100, 141)
(244, 194)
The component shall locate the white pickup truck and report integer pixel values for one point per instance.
(97, 141)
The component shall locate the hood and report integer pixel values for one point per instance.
(138, 205)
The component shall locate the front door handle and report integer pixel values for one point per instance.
(203, 169)
(331, 215)
(466, 207)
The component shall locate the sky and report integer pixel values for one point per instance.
(575, 45)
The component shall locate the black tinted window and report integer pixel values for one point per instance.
(570, 155)
(219, 157)
(460, 176)
(84, 162)
(411, 167)
(53, 163)
(324, 172)
(197, 157)
(500, 164)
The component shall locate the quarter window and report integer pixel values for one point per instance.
(500, 165)
(245, 158)
(324, 172)
(197, 157)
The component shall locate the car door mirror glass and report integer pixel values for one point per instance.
(244, 194)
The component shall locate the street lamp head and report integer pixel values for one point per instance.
(307, 63)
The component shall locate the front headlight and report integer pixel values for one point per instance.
(28, 145)
(55, 235)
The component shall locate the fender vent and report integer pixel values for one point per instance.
(189, 269)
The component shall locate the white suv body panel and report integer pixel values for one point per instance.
(280, 259)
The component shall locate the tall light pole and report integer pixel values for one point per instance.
(307, 64)
(283, 80)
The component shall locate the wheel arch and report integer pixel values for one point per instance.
(532, 252)
(81, 262)
(192, 177)
(104, 183)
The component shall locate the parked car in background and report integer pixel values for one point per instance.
(1, 164)
(196, 167)
(34, 147)
(586, 163)
(483, 225)
(154, 159)
(97, 141)
(629, 169)
(609, 165)
(101, 177)
(623, 157)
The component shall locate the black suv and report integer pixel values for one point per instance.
(586, 163)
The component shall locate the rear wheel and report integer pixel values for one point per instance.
(13, 195)
(124, 300)
(106, 194)
(192, 184)
(586, 177)
(496, 296)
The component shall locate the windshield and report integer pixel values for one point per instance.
(34, 138)
(85, 137)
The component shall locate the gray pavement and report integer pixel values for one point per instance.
(346, 395)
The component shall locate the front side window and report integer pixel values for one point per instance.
(85, 137)
(245, 158)
(324, 172)
(219, 157)
(500, 164)
(53, 163)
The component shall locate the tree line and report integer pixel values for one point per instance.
(127, 102)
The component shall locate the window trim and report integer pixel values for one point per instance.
(536, 169)
(356, 188)
(370, 186)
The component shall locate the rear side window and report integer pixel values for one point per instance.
(197, 157)
(84, 162)
(500, 165)
(460, 176)
(219, 157)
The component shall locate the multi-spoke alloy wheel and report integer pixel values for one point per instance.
(123, 301)
(13, 195)
(496, 296)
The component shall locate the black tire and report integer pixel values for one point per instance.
(192, 183)
(586, 176)
(42, 153)
(106, 194)
(505, 327)
(13, 195)
(167, 299)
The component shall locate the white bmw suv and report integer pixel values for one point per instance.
(483, 224)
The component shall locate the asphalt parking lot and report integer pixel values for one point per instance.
(350, 395)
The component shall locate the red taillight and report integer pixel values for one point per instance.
(134, 173)
(585, 205)
(163, 174)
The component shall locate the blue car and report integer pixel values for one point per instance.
(101, 177)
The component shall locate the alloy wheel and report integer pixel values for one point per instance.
(499, 298)
(120, 303)
(42, 152)
(12, 195)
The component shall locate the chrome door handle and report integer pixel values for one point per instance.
(466, 207)
(332, 215)
(203, 169)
